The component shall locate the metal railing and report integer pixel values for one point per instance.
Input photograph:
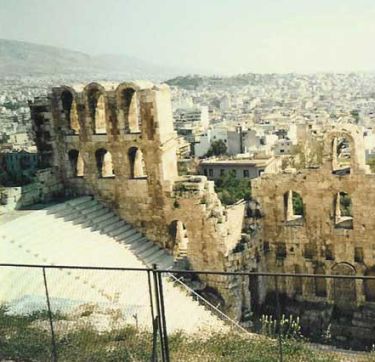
(153, 293)
(209, 305)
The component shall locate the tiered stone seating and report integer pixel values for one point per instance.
(77, 233)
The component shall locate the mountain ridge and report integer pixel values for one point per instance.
(25, 58)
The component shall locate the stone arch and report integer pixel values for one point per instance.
(104, 163)
(74, 118)
(179, 238)
(136, 163)
(66, 102)
(320, 284)
(76, 163)
(344, 151)
(293, 206)
(69, 109)
(341, 155)
(369, 285)
(130, 108)
(343, 211)
(344, 290)
(97, 107)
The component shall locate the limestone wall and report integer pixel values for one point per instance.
(319, 242)
(117, 142)
(44, 188)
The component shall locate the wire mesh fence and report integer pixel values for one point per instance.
(72, 313)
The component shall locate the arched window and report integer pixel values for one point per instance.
(344, 290)
(97, 110)
(343, 211)
(369, 285)
(341, 156)
(136, 162)
(100, 122)
(130, 108)
(76, 163)
(69, 108)
(74, 120)
(66, 102)
(179, 238)
(104, 163)
(293, 206)
(320, 284)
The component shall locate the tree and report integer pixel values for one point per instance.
(230, 189)
(345, 204)
(297, 204)
(217, 148)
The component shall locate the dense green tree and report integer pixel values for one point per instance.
(230, 189)
(297, 204)
(217, 148)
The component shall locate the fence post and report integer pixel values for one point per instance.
(164, 323)
(159, 317)
(53, 340)
(155, 321)
(150, 296)
(278, 326)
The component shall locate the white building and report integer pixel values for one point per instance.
(194, 116)
(282, 147)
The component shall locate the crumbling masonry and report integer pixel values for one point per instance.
(319, 220)
(117, 142)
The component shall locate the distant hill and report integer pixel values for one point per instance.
(22, 58)
(196, 81)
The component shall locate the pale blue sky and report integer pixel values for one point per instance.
(230, 36)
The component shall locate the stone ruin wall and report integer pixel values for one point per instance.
(322, 241)
(72, 124)
(44, 188)
(151, 195)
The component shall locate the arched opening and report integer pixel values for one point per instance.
(136, 162)
(343, 211)
(130, 108)
(97, 110)
(179, 239)
(76, 163)
(74, 118)
(344, 290)
(66, 102)
(320, 284)
(293, 206)
(104, 163)
(369, 285)
(69, 108)
(341, 156)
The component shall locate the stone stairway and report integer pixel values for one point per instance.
(89, 213)
(83, 232)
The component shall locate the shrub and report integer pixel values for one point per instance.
(230, 189)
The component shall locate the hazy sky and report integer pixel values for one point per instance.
(230, 36)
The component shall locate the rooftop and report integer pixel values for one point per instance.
(261, 162)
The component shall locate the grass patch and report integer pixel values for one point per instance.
(22, 339)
